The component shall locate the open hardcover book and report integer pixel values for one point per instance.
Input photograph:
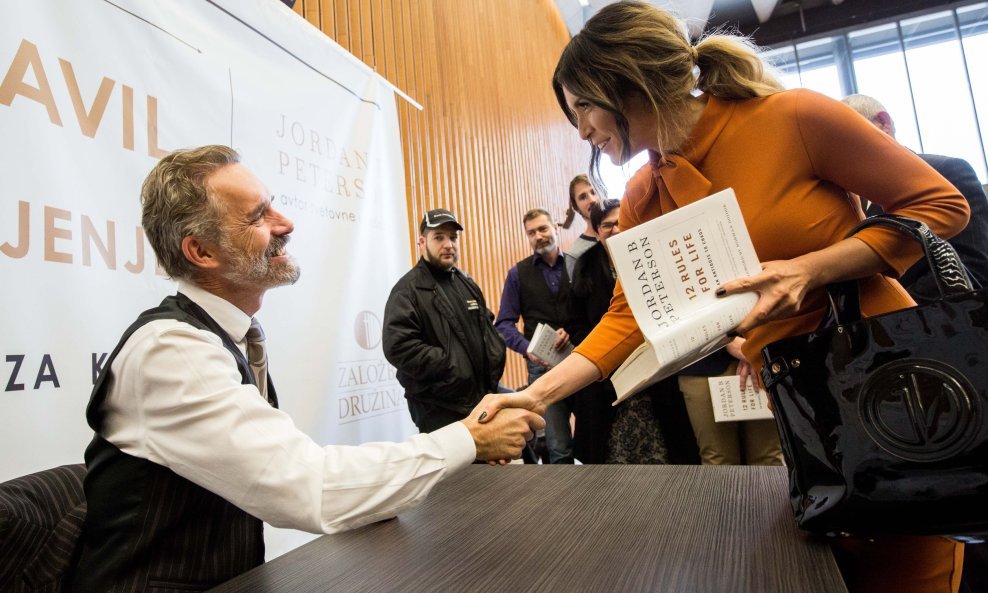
(669, 268)
(543, 345)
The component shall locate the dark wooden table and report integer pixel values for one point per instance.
(570, 529)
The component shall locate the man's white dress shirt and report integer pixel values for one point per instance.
(175, 398)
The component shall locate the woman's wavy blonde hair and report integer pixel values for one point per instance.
(633, 49)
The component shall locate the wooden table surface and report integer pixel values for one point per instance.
(566, 529)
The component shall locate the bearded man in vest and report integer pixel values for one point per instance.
(536, 290)
(191, 453)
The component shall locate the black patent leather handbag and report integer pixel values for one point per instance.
(882, 419)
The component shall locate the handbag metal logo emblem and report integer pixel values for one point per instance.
(920, 410)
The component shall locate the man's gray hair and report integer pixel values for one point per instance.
(176, 203)
(866, 105)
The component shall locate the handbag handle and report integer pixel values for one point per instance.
(950, 274)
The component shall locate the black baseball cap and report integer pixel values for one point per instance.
(434, 219)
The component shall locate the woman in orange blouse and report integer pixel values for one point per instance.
(711, 117)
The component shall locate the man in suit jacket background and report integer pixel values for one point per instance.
(191, 453)
(972, 242)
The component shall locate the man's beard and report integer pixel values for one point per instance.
(436, 262)
(258, 269)
(546, 248)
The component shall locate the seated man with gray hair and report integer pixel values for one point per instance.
(191, 452)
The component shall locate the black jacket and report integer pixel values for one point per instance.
(591, 289)
(426, 342)
(971, 243)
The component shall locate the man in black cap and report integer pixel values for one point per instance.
(438, 331)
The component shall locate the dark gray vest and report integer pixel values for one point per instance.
(538, 305)
(147, 527)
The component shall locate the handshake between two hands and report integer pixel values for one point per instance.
(502, 424)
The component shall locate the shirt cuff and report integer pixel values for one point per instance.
(457, 445)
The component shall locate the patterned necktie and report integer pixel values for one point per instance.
(256, 357)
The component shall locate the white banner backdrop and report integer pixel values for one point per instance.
(93, 92)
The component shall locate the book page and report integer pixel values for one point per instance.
(682, 345)
(670, 267)
(637, 372)
(543, 343)
(703, 334)
(731, 404)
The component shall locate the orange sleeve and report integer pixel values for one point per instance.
(615, 337)
(844, 148)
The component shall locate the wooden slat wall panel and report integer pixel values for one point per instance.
(491, 142)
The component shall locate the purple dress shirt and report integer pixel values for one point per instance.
(510, 310)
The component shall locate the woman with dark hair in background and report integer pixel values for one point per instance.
(591, 286)
(712, 117)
